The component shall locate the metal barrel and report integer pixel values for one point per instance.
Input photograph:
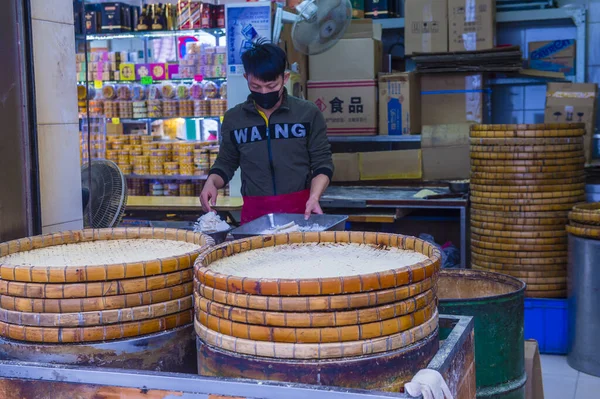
(496, 302)
(168, 351)
(583, 300)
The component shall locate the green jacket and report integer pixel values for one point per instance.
(279, 159)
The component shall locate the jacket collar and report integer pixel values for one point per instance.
(249, 103)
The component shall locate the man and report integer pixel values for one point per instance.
(277, 140)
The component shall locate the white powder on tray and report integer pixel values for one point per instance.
(292, 228)
(100, 252)
(297, 261)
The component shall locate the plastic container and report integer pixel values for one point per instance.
(546, 322)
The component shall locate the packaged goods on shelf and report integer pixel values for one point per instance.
(399, 104)
(201, 59)
(116, 17)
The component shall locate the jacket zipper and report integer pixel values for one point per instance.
(271, 165)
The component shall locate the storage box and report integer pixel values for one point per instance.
(349, 59)
(390, 165)
(451, 99)
(377, 9)
(553, 55)
(446, 152)
(426, 29)
(116, 17)
(573, 102)
(127, 71)
(471, 24)
(546, 322)
(92, 18)
(345, 167)
(349, 107)
(399, 104)
(158, 71)
(141, 71)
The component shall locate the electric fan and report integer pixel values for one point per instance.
(104, 195)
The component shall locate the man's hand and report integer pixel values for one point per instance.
(312, 206)
(208, 196)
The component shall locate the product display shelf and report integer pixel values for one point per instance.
(167, 177)
(546, 16)
(175, 80)
(144, 120)
(216, 32)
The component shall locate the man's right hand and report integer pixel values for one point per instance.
(208, 196)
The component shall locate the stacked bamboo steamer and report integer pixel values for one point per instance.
(321, 318)
(584, 221)
(524, 181)
(97, 285)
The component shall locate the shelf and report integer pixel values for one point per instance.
(178, 80)
(216, 32)
(381, 139)
(145, 120)
(523, 80)
(166, 177)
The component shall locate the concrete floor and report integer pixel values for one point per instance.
(563, 382)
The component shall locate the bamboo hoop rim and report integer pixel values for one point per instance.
(522, 273)
(315, 319)
(591, 207)
(89, 273)
(560, 260)
(527, 126)
(521, 215)
(280, 350)
(527, 202)
(520, 222)
(539, 176)
(101, 318)
(518, 247)
(315, 335)
(315, 303)
(528, 196)
(525, 150)
(517, 241)
(523, 208)
(576, 167)
(527, 189)
(520, 234)
(522, 268)
(33, 305)
(95, 289)
(545, 294)
(526, 156)
(509, 184)
(94, 334)
(547, 287)
(319, 286)
(584, 232)
(528, 133)
(525, 141)
(507, 226)
(518, 254)
(586, 218)
(578, 160)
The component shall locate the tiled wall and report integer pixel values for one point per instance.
(56, 102)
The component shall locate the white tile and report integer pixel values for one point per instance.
(74, 225)
(53, 10)
(587, 387)
(593, 50)
(557, 365)
(559, 387)
(55, 76)
(60, 173)
(535, 97)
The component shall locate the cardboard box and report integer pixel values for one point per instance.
(349, 59)
(553, 55)
(158, 71)
(399, 104)
(534, 388)
(349, 107)
(471, 24)
(92, 19)
(141, 71)
(426, 29)
(127, 71)
(346, 167)
(116, 17)
(363, 29)
(390, 165)
(446, 152)
(573, 102)
(452, 98)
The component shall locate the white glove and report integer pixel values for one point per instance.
(430, 384)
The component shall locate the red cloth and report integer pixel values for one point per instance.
(255, 207)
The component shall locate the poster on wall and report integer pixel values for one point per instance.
(246, 23)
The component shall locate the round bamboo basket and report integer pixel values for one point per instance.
(574, 160)
(316, 303)
(85, 290)
(547, 287)
(317, 350)
(95, 304)
(532, 126)
(85, 273)
(587, 232)
(524, 141)
(585, 215)
(526, 151)
(315, 319)
(519, 241)
(592, 208)
(530, 133)
(94, 334)
(319, 286)
(529, 183)
(347, 333)
(502, 170)
(527, 156)
(528, 202)
(99, 318)
(559, 233)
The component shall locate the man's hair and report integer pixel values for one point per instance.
(265, 61)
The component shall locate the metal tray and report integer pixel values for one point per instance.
(256, 227)
(219, 236)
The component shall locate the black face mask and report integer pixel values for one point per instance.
(266, 100)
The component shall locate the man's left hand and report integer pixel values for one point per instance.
(312, 206)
